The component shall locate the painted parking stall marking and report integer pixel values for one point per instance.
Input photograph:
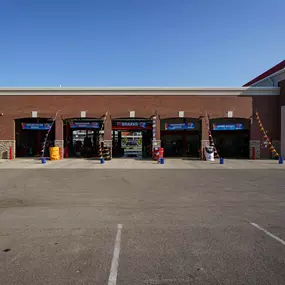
(268, 233)
(115, 260)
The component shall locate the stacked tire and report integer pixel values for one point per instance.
(107, 153)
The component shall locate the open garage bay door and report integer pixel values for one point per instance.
(82, 137)
(231, 137)
(181, 137)
(31, 134)
(132, 137)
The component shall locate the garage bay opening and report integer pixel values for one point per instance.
(181, 137)
(31, 134)
(231, 136)
(82, 137)
(132, 138)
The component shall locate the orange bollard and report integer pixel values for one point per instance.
(10, 153)
(60, 153)
(66, 152)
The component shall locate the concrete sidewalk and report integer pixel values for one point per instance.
(132, 163)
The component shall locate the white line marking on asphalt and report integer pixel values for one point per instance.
(268, 233)
(15, 257)
(115, 260)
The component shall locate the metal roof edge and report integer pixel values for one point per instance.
(191, 91)
(129, 88)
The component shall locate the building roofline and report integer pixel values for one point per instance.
(268, 73)
(270, 78)
(127, 88)
(147, 91)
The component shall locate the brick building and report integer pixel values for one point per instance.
(168, 115)
(274, 77)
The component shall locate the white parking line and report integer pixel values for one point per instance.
(268, 233)
(115, 260)
(15, 257)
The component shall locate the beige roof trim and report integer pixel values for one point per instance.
(139, 91)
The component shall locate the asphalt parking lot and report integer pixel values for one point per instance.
(167, 226)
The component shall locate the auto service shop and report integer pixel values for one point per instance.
(178, 119)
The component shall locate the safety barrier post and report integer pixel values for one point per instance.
(10, 153)
(66, 152)
(266, 138)
(160, 155)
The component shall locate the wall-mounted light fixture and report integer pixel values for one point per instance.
(229, 114)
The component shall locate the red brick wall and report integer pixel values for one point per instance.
(119, 106)
(268, 108)
(269, 111)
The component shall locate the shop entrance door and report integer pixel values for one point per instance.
(181, 144)
(193, 144)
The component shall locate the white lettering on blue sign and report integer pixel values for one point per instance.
(132, 124)
(181, 126)
(129, 124)
(228, 127)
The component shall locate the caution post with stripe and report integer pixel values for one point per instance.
(210, 137)
(266, 138)
(101, 142)
(47, 134)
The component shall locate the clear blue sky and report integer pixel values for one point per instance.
(139, 42)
